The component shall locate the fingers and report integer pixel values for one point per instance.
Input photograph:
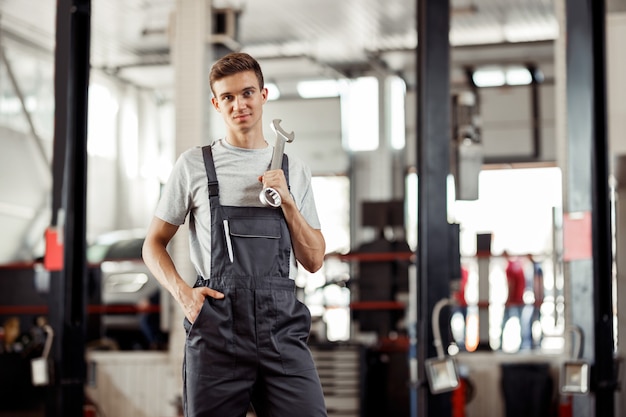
(193, 305)
(275, 179)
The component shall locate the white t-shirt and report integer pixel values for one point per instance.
(186, 193)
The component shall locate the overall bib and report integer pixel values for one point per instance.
(250, 346)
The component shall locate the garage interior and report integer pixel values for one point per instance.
(495, 138)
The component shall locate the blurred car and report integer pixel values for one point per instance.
(125, 284)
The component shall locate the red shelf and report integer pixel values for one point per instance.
(375, 256)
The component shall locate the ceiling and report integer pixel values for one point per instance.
(299, 40)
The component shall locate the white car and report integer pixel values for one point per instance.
(125, 284)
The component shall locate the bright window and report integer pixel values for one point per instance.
(102, 122)
(517, 207)
(359, 114)
(324, 292)
(397, 98)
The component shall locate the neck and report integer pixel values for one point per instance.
(246, 140)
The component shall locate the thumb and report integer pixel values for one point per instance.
(208, 292)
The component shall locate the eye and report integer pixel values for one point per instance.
(248, 93)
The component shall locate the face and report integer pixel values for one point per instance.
(240, 100)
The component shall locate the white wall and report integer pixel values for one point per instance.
(25, 186)
(506, 114)
(506, 128)
(124, 176)
(616, 82)
(317, 125)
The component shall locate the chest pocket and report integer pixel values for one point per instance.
(255, 245)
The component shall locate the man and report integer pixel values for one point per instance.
(516, 285)
(246, 331)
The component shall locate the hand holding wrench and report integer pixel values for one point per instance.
(269, 196)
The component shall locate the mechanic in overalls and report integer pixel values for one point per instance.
(246, 331)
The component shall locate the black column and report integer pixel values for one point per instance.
(67, 287)
(433, 153)
(601, 222)
(588, 191)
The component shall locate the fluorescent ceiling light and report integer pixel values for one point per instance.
(518, 76)
(498, 76)
(319, 88)
(489, 77)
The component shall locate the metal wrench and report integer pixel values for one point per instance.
(269, 196)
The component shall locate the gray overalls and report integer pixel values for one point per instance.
(250, 346)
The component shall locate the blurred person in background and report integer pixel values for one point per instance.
(516, 286)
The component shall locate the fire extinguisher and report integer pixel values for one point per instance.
(462, 396)
(565, 406)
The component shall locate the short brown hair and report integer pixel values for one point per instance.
(234, 63)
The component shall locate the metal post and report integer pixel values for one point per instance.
(588, 196)
(601, 222)
(67, 290)
(535, 111)
(484, 262)
(433, 154)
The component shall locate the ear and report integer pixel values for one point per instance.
(264, 93)
(216, 104)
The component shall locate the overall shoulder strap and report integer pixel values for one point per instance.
(209, 166)
(285, 169)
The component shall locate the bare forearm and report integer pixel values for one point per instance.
(159, 262)
(308, 243)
